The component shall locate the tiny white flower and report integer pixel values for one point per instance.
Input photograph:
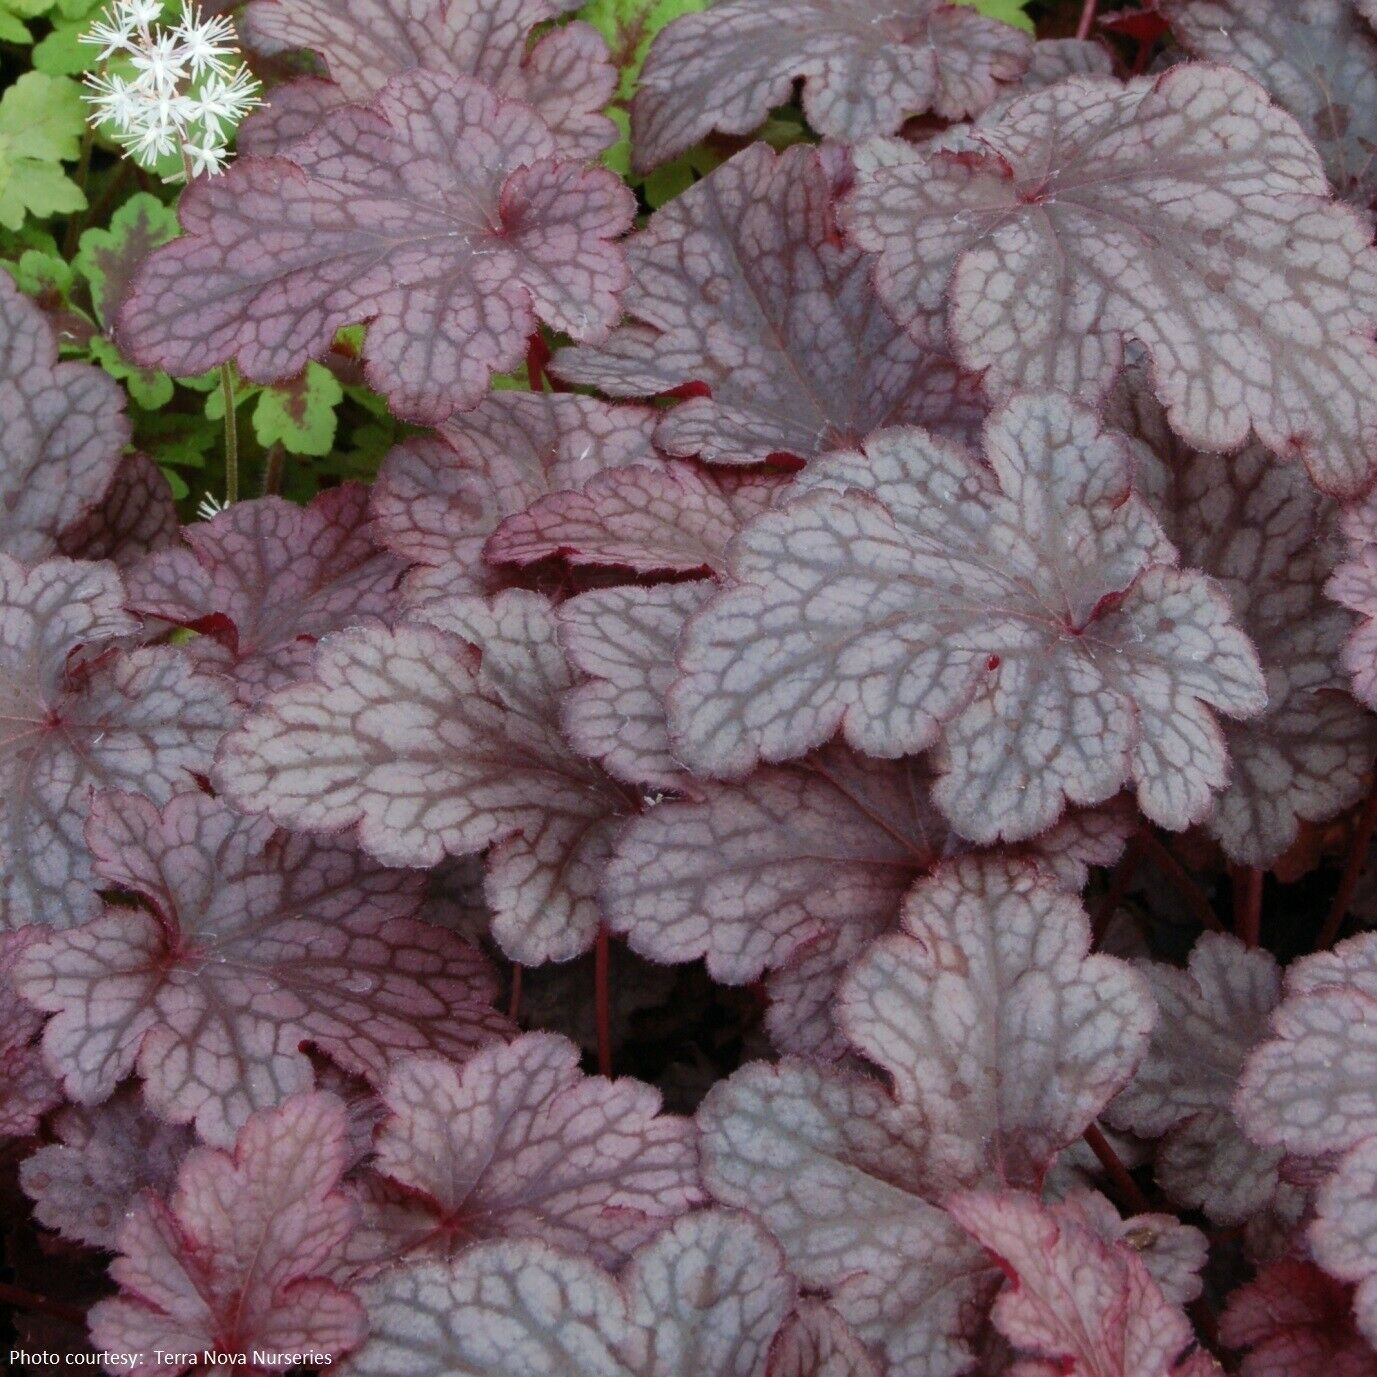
(114, 100)
(161, 62)
(207, 158)
(143, 14)
(222, 104)
(112, 35)
(207, 44)
(209, 507)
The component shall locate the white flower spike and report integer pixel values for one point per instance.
(169, 88)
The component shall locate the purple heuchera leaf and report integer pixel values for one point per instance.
(1211, 1016)
(62, 427)
(1293, 1318)
(849, 1175)
(440, 496)
(143, 719)
(137, 517)
(705, 1299)
(1026, 613)
(674, 518)
(1313, 1091)
(743, 292)
(235, 1260)
(1267, 536)
(866, 66)
(1316, 58)
(28, 1088)
(565, 75)
(816, 1342)
(251, 945)
(1084, 1306)
(518, 1143)
(1354, 585)
(441, 215)
(431, 744)
(1187, 213)
(104, 1156)
(265, 580)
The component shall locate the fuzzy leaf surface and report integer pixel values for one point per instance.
(234, 1260)
(404, 735)
(742, 288)
(28, 1089)
(140, 719)
(265, 580)
(518, 1143)
(105, 1155)
(866, 66)
(1212, 1015)
(816, 1342)
(62, 427)
(137, 517)
(565, 75)
(1316, 58)
(440, 496)
(1085, 1307)
(1354, 585)
(1265, 534)
(252, 945)
(1187, 213)
(1028, 615)
(441, 215)
(704, 1299)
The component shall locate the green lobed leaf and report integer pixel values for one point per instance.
(300, 415)
(1006, 11)
(108, 258)
(13, 13)
(41, 124)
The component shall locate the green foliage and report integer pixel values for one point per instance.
(1009, 11)
(630, 26)
(107, 257)
(13, 13)
(42, 119)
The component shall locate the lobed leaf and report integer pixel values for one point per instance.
(265, 580)
(441, 215)
(104, 1157)
(62, 427)
(252, 944)
(1187, 213)
(28, 1089)
(743, 293)
(564, 74)
(702, 1300)
(440, 496)
(1316, 59)
(137, 517)
(816, 1342)
(518, 1144)
(865, 66)
(235, 1260)
(1027, 615)
(1211, 1016)
(106, 718)
(1354, 585)
(1087, 1308)
(427, 745)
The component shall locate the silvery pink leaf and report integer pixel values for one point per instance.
(816, 1342)
(441, 215)
(565, 75)
(430, 744)
(704, 1299)
(1211, 1016)
(28, 1089)
(235, 1259)
(1187, 213)
(849, 1174)
(251, 945)
(440, 496)
(1083, 1306)
(1316, 58)
(265, 580)
(865, 66)
(999, 1032)
(137, 517)
(836, 1171)
(1354, 585)
(1173, 1253)
(62, 427)
(142, 719)
(519, 1143)
(1343, 1235)
(105, 1155)
(1027, 615)
(673, 518)
(1294, 1318)
(623, 640)
(743, 294)
(1267, 536)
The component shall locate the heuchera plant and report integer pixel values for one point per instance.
(779, 776)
